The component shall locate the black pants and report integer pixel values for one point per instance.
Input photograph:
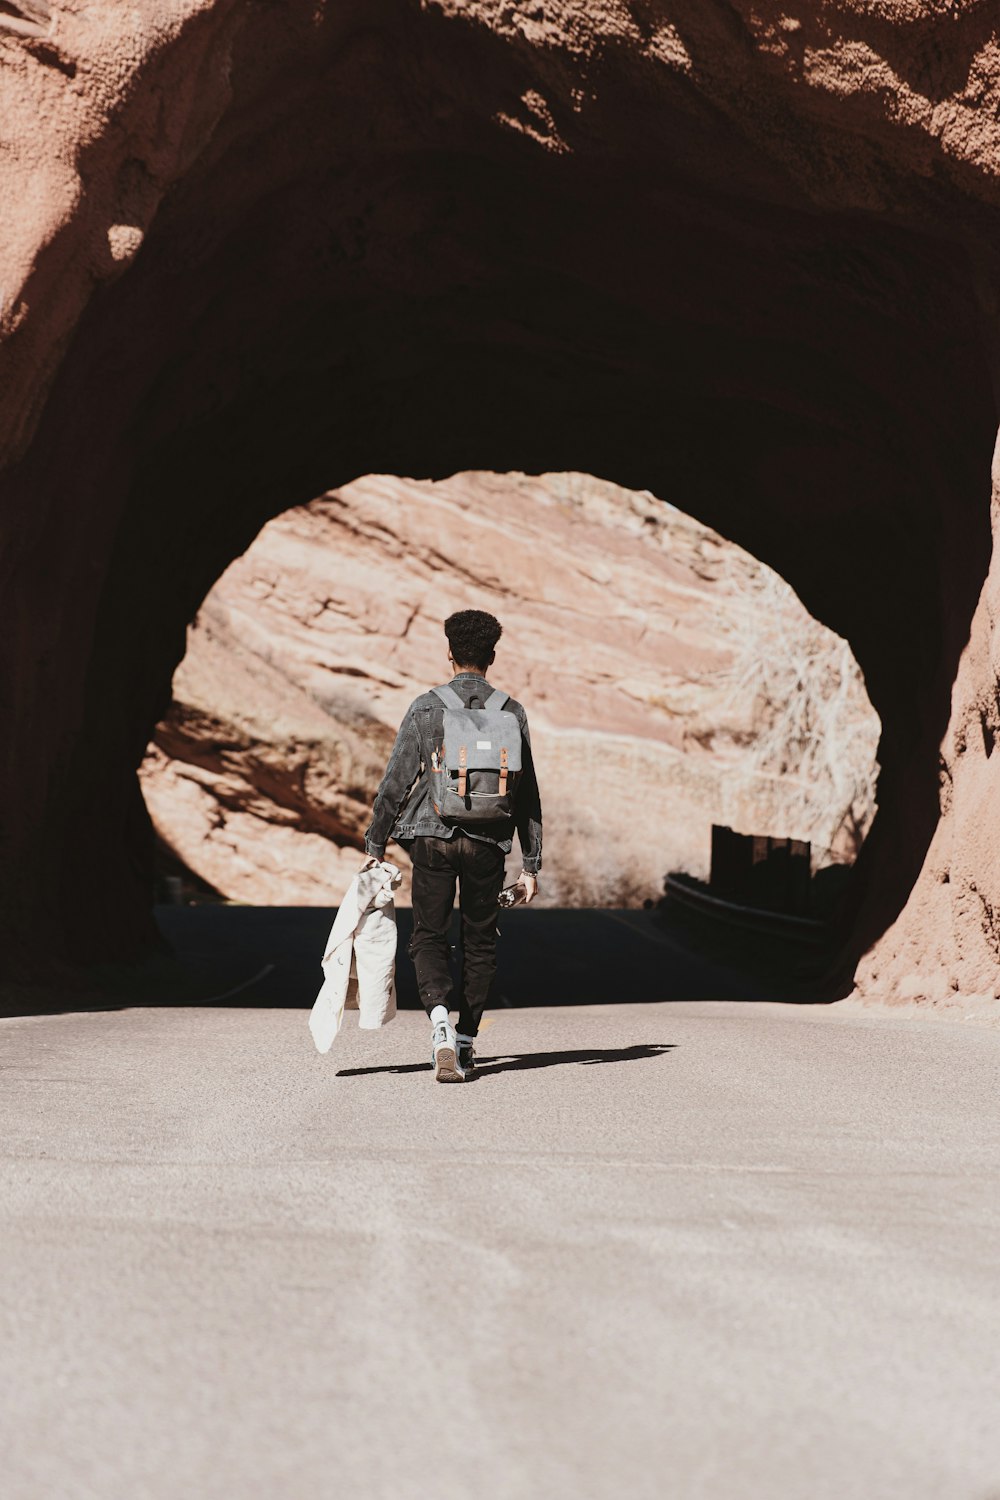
(478, 867)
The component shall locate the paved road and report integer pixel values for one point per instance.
(269, 955)
(723, 1251)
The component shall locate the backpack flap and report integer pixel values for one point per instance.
(478, 739)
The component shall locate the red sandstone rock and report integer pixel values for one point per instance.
(621, 619)
(946, 942)
(743, 254)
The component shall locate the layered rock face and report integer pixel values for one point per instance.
(946, 942)
(640, 640)
(742, 254)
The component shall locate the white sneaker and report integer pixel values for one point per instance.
(446, 1069)
(466, 1054)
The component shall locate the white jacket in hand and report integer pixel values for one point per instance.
(359, 965)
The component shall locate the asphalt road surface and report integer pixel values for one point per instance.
(727, 1250)
(546, 957)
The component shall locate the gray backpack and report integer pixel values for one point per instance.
(474, 774)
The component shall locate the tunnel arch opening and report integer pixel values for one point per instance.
(356, 278)
(674, 683)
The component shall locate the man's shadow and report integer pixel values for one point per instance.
(514, 1062)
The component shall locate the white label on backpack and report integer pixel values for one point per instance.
(484, 745)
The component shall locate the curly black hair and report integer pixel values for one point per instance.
(472, 635)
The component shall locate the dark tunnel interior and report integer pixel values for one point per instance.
(362, 278)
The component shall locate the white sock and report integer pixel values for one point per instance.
(439, 1014)
(461, 1037)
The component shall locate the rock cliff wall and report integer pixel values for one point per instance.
(740, 253)
(624, 623)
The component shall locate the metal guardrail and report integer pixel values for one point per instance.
(811, 931)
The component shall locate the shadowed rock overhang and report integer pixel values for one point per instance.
(743, 256)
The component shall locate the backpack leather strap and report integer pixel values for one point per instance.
(502, 789)
(463, 761)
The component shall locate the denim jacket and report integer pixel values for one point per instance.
(404, 808)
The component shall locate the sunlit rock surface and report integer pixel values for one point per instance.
(647, 649)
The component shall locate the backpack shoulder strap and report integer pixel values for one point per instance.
(497, 698)
(448, 696)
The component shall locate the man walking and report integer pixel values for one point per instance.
(460, 782)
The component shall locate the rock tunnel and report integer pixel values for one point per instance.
(654, 242)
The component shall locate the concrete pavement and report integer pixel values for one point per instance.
(693, 1250)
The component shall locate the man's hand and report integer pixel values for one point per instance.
(529, 883)
(369, 861)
